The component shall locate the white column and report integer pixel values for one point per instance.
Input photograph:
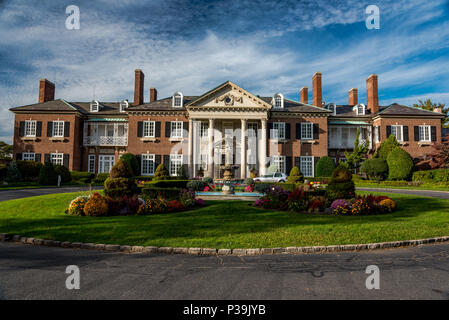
(263, 148)
(210, 157)
(243, 150)
(190, 151)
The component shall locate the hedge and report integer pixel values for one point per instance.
(375, 168)
(29, 169)
(437, 175)
(166, 193)
(400, 164)
(81, 176)
(324, 167)
(101, 177)
(3, 171)
(263, 186)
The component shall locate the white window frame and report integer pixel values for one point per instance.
(30, 128)
(29, 156)
(307, 161)
(278, 101)
(401, 128)
(91, 163)
(278, 132)
(279, 162)
(305, 127)
(177, 100)
(361, 109)
(123, 105)
(94, 106)
(101, 162)
(176, 129)
(376, 134)
(58, 129)
(149, 129)
(147, 164)
(422, 133)
(204, 129)
(251, 129)
(175, 163)
(57, 158)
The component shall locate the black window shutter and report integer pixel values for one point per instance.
(288, 165)
(37, 157)
(298, 130)
(388, 131)
(316, 130)
(66, 160)
(22, 129)
(18, 156)
(433, 133)
(139, 161)
(47, 157)
(315, 161)
(157, 161)
(287, 132)
(167, 129)
(38, 128)
(66, 129)
(297, 161)
(416, 132)
(270, 127)
(139, 129)
(49, 129)
(167, 161)
(405, 132)
(185, 126)
(157, 130)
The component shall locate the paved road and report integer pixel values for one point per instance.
(37, 272)
(423, 193)
(24, 193)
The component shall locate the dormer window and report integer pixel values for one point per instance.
(177, 100)
(123, 105)
(278, 101)
(332, 108)
(94, 106)
(360, 108)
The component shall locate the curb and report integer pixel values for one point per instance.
(222, 252)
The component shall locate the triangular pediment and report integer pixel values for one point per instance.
(228, 95)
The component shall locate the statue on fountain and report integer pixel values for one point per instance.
(228, 176)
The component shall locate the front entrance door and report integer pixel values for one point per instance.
(105, 163)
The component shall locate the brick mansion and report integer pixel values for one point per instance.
(224, 125)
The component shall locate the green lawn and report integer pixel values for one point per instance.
(224, 224)
(424, 186)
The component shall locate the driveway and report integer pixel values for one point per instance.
(24, 193)
(423, 193)
(38, 272)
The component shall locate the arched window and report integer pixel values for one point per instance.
(94, 106)
(332, 108)
(361, 109)
(177, 100)
(123, 105)
(278, 101)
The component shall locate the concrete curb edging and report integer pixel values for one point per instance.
(222, 252)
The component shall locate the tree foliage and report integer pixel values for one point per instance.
(358, 153)
(386, 146)
(295, 175)
(5, 151)
(439, 158)
(324, 167)
(429, 105)
(400, 164)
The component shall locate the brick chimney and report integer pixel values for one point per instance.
(304, 94)
(153, 94)
(352, 95)
(317, 95)
(372, 94)
(138, 87)
(46, 90)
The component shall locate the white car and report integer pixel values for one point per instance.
(272, 177)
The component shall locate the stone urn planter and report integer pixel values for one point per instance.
(227, 189)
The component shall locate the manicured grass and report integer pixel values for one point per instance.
(225, 224)
(424, 186)
(35, 185)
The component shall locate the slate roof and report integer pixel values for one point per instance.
(58, 105)
(401, 110)
(294, 106)
(162, 104)
(346, 111)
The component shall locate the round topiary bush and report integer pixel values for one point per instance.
(325, 166)
(375, 168)
(161, 173)
(96, 206)
(400, 164)
(386, 147)
(341, 185)
(48, 175)
(341, 174)
(295, 175)
(132, 162)
(121, 170)
(64, 173)
(119, 187)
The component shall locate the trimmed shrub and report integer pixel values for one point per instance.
(76, 207)
(386, 147)
(324, 167)
(437, 175)
(375, 168)
(284, 185)
(64, 173)
(29, 170)
(119, 187)
(441, 175)
(132, 162)
(96, 206)
(208, 180)
(262, 187)
(187, 198)
(341, 174)
(47, 175)
(248, 181)
(13, 173)
(196, 185)
(3, 171)
(121, 170)
(182, 173)
(341, 185)
(295, 175)
(101, 177)
(81, 176)
(161, 173)
(165, 193)
(168, 184)
(400, 164)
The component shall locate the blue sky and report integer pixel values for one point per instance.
(192, 46)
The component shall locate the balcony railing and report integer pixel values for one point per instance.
(105, 134)
(105, 141)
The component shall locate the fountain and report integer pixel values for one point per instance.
(228, 176)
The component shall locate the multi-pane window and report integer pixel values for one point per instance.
(149, 129)
(360, 109)
(58, 128)
(57, 158)
(397, 132)
(278, 101)
(30, 128)
(105, 163)
(306, 165)
(177, 100)
(424, 133)
(204, 129)
(176, 129)
(91, 164)
(252, 130)
(306, 130)
(279, 163)
(278, 131)
(147, 164)
(29, 156)
(175, 163)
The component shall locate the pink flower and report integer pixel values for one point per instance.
(206, 189)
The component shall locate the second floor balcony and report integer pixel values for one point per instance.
(343, 137)
(105, 134)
